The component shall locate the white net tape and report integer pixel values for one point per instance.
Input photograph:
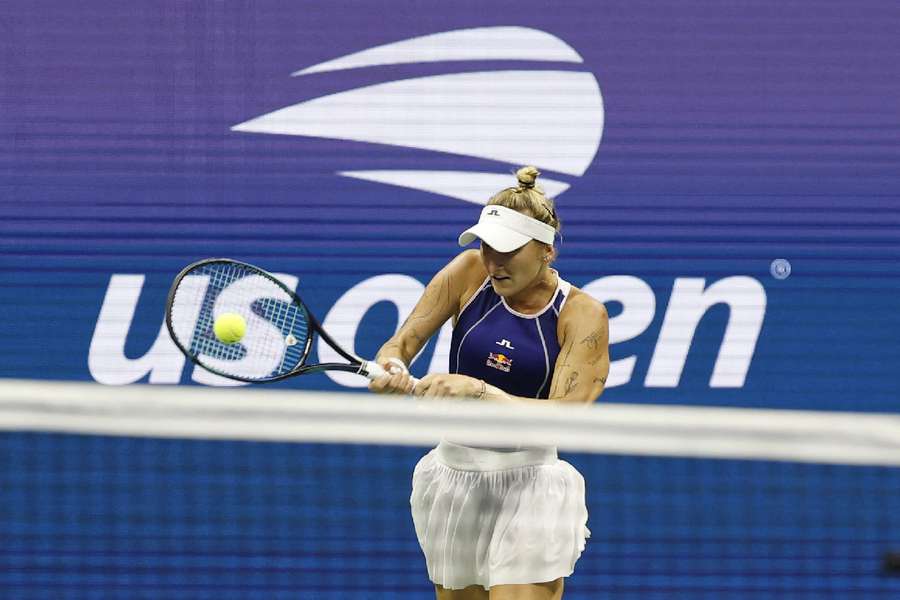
(269, 414)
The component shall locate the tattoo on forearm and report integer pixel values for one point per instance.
(437, 294)
(414, 334)
(600, 379)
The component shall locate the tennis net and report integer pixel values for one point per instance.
(183, 492)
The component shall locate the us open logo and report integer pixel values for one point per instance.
(549, 118)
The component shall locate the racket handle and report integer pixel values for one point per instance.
(373, 370)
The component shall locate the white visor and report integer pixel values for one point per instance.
(505, 229)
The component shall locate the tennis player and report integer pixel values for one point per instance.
(503, 523)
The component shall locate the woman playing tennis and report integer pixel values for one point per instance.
(503, 523)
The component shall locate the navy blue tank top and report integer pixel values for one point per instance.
(507, 349)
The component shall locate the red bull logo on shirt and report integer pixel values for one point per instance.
(499, 361)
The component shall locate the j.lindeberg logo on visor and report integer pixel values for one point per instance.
(565, 111)
(505, 229)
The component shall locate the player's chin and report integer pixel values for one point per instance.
(502, 285)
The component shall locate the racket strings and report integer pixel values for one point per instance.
(291, 322)
(203, 340)
(277, 327)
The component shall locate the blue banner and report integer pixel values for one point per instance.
(725, 173)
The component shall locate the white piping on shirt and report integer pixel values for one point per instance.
(469, 330)
(561, 286)
(546, 359)
(565, 287)
(484, 284)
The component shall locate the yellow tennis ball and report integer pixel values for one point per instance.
(230, 328)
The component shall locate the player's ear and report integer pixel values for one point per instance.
(549, 253)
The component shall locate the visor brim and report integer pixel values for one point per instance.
(497, 237)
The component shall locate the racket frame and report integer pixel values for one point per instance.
(355, 364)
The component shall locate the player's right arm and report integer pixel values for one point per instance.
(441, 300)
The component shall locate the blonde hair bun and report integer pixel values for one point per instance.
(527, 176)
(528, 198)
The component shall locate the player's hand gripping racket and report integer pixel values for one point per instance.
(278, 330)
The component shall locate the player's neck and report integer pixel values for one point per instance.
(536, 295)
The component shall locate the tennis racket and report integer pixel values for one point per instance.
(279, 328)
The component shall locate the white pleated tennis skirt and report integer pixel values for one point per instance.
(491, 517)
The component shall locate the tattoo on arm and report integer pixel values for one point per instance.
(594, 342)
(416, 335)
(565, 362)
(435, 298)
(571, 382)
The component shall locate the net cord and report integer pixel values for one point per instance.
(293, 416)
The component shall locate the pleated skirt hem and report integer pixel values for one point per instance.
(516, 525)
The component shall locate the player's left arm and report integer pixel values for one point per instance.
(583, 362)
(580, 371)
